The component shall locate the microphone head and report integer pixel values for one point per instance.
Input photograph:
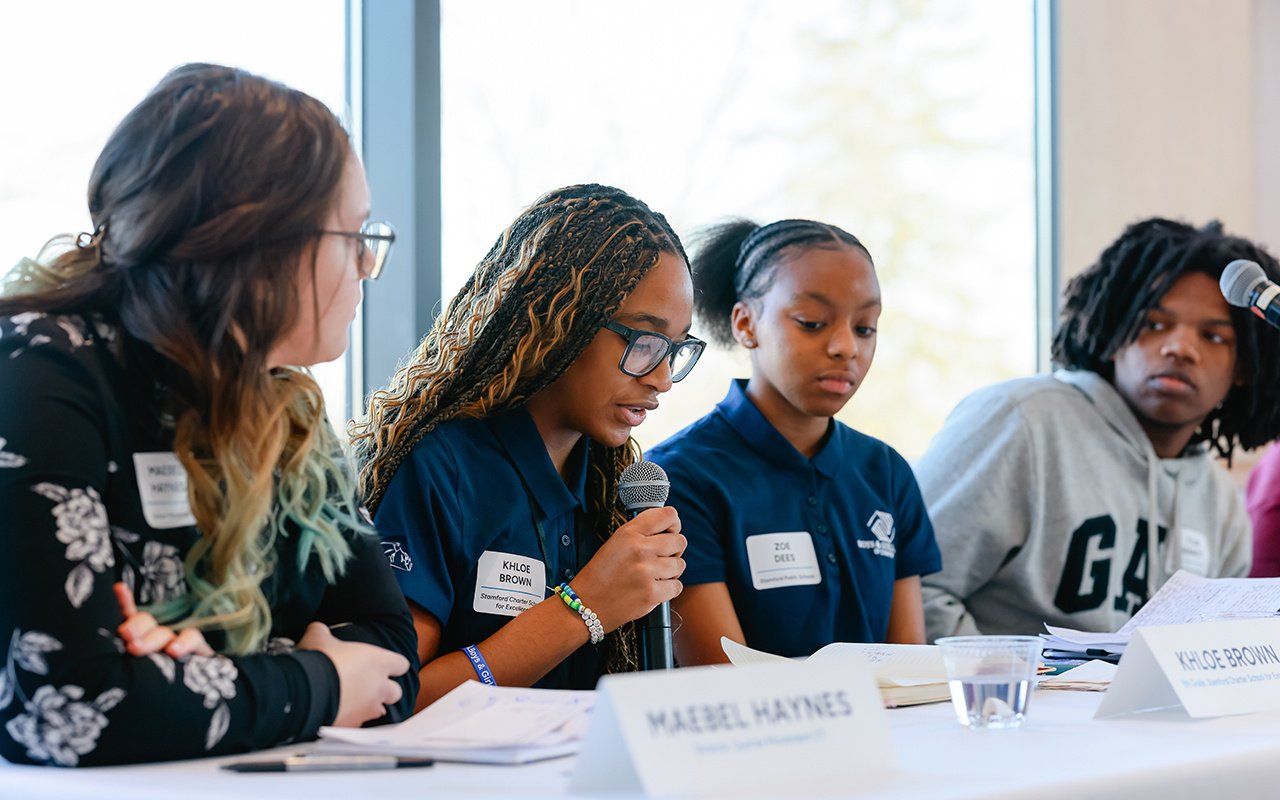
(643, 485)
(1239, 280)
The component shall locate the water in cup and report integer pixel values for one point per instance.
(981, 701)
(990, 678)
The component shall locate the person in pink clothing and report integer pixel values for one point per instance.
(1262, 498)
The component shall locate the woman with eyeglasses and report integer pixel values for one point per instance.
(802, 531)
(491, 461)
(184, 565)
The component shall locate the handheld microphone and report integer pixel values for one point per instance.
(1244, 284)
(644, 485)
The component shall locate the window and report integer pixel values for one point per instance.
(908, 124)
(84, 64)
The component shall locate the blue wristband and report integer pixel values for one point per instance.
(479, 665)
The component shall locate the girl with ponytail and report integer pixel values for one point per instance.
(801, 530)
(491, 461)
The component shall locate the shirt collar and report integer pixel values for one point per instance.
(743, 416)
(553, 497)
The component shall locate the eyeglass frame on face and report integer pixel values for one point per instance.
(633, 335)
(372, 231)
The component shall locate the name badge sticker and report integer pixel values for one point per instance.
(1195, 552)
(508, 584)
(162, 488)
(782, 559)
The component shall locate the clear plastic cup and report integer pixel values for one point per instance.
(991, 678)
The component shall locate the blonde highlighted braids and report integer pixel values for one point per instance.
(529, 309)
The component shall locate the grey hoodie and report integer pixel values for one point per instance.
(1040, 490)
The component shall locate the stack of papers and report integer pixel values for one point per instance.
(1184, 598)
(478, 724)
(907, 674)
(1091, 676)
(1070, 643)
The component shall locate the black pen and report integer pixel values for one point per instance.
(321, 762)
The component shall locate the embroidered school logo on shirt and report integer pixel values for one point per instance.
(397, 556)
(881, 525)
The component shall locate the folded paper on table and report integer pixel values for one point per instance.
(1187, 597)
(907, 674)
(479, 724)
(1183, 599)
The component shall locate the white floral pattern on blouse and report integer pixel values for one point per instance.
(58, 726)
(10, 460)
(83, 528)
(78, 333)
(161, 575)
(215, 678)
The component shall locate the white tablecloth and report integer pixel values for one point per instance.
(1062, 752)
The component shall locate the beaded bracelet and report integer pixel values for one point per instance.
(479, 665)
(571, 599)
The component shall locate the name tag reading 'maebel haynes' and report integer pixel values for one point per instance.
(162, 488)
(508, 584)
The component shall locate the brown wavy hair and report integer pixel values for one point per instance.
(205, 201)
(531, 306)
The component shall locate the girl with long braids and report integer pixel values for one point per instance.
(159, 446)
(802, 531)
(1070, 498)
(491, 461)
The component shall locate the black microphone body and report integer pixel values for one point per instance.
(1246, 285)
(1268, 308)
(644, 485)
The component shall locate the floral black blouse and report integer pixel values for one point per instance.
(76, 430)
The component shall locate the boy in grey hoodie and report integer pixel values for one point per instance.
(1041, 490)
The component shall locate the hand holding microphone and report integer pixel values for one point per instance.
(644, 485)
(636, 572)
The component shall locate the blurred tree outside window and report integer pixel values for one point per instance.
(71, 69)
(906, 122)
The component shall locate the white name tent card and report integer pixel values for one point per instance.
(797, 728)
(1210, 669)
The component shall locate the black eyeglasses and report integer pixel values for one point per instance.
(647, 349)
(375, 238)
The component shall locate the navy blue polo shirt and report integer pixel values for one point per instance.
(809, 547)
(460, 525)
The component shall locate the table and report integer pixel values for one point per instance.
(1062, 752)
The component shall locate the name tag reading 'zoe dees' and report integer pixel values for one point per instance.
(1209, 669)
(782, 559)
(728, 729)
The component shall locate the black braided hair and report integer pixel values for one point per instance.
(735, 260)
(1105, 307)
